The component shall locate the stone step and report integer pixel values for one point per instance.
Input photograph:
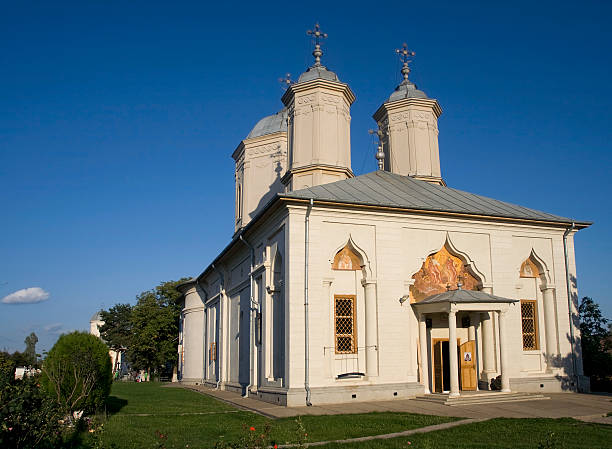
(480, 398)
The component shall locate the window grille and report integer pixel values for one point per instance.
(346, 335)
(212, 352)
(530, 328)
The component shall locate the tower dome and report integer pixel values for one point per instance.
(270, 124)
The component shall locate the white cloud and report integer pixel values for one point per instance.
(54, 328)
(26, 296)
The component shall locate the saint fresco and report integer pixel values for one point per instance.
(441, 272)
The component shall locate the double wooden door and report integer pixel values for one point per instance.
(466, 353)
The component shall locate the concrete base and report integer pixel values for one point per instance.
(543, 384)
(192, 381)
(337, 395)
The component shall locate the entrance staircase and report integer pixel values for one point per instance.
(479, 397)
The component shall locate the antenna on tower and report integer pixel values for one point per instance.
(380, 154)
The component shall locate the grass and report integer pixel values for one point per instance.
(501, 433)
(189, 419)
(139, 412)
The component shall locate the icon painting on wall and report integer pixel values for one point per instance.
(439, 272)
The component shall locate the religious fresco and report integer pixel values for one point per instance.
(346, 260)
(529, 269)
(440, 272)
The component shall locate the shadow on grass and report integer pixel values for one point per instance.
(115, 404)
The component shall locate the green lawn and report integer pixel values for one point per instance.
(139, 412)
(567, 433)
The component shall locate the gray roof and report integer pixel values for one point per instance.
(96, 317)
(406, 90)
(270, 124)
(382, 188)
(316, 72)
(464, 296)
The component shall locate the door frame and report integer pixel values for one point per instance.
(435, 341)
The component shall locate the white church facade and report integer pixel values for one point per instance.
(339, 288)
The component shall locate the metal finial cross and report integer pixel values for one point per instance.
(404, 56)
(317, 34)
(286, 81)
(380, 154)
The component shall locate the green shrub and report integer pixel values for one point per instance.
(77, 372)
(28, 419)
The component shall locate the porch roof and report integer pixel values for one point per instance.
(464, 297)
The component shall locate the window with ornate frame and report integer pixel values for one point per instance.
(344, 323)
(529, 318)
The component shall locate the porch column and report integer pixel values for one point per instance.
(474, 322)
(488, 346)
(371, 328)
(550, 329)
(423, 349)
(503, 343)
(452, 353)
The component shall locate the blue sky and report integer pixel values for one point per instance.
(118, 120)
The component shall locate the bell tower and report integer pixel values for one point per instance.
(319, 124)
(408, 125)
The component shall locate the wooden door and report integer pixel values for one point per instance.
(468, 365)
(438, 363)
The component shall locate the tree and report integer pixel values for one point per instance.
(77, 372)
(596, 344)
(155, 325)
(30, 351)
(117, 328)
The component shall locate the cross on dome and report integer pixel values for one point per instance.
(317, 34)
(404, 57)
(286, 81)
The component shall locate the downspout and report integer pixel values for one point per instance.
(251, 327)
(219, 323)
(306, 340)
(569, 300)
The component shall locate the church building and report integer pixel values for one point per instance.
(339, 288)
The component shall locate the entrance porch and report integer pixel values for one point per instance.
(457, 368)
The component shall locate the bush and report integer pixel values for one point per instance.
(77, 372)
(28, 419)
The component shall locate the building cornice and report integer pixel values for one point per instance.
(391, 106)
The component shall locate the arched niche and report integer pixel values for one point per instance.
(534, 267)
(349, 257)
(442, 271)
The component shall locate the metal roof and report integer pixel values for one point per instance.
(270, 124)
(316, 72)
(406, 89)
(385, 189)
(465, 297)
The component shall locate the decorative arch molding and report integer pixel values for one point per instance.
(364, 261)
(540, 265)
(469, 263)
(441, 269)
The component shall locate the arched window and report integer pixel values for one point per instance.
(529, 306)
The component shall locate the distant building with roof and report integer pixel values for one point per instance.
(343, 288)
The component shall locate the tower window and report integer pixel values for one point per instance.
(529, 324)
(346, 334)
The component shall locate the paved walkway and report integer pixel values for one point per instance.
(588, 407)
